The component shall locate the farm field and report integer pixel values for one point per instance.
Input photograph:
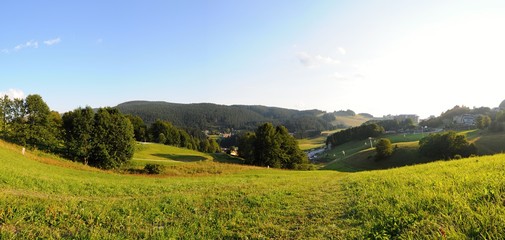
(45, 197)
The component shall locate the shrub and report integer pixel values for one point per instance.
(383, 148)
(153, 168)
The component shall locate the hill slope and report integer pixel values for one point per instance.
(213, 116)
(43, 197)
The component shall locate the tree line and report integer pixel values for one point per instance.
(103, 138)
(355, 133)
(220, 117)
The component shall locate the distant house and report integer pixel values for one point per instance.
(465, 119)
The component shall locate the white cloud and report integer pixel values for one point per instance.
(341, 50)
(305, 59)
(359, 76)
(13, 93)
(339, 76)
(5, 51)
(51, 42)
(29, 44)
(99, 41)
(308, 60)
(326, 60)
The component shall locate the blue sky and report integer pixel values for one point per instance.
(380, 57)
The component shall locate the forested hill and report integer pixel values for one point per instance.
(213, 116)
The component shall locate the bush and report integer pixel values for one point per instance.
(153, 168)
(383, 148)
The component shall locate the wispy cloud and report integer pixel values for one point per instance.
(99, 41)
(326, 60)
(308, 60)
(13, 93)
(341, 50)
(51, 42)
(29, 44)
(339, 76)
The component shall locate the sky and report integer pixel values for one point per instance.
(377, 57)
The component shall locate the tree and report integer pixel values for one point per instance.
(290, 154)
(214, 146)
(33, 124)
(246, 147)
(355, 133)
(446, 146)
(483, 121)
(78, 128)
(114, 141)
(104, 139)
(271, 146)
(5, 109)
(139, 128)
(266, 148)
(384, 149)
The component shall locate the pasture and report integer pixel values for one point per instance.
(42, 196)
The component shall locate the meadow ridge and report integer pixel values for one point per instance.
(46, 197)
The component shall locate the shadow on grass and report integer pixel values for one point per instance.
(365, 161)
(181, 158)
(225, 158)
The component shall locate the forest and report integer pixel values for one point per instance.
(207, 116)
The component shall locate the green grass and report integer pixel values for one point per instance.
(404, 155)
(181, 161)
(311, 143)
(462, 199)
(351, 121)
(488, 143)
(407, 137)
(45, 197)
(165, 153)
(315, 142)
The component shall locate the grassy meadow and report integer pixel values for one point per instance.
(42, 196)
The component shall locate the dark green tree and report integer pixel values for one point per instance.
(78, 128)
(246, 146)
(139, 128)
(271, 146)
(114, 141)
(446, 146)
(32, 124)
(383, 148)
(266, 148)
(290, 155)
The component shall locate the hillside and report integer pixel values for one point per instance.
(360, 157)
(45, 197)
(220, 117)
(239, 117)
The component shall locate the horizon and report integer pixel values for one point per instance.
(398, 58)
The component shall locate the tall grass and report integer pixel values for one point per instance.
(455, 200)
(54, 198)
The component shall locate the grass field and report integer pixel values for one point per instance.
(351, 121)
(311, 143)
(181, 161)
(46, 197)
